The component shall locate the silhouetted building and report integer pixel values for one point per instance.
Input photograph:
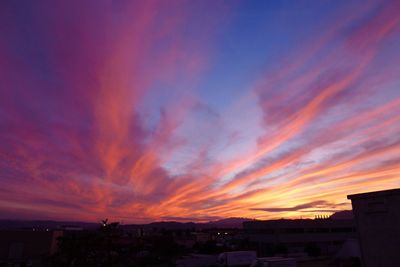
(325, 236)
(377, 216)
(22, 246)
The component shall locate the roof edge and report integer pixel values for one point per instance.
(395, 191)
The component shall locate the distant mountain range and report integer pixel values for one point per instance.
(169, 225)
(43, 224)
(234, 222)
(343, 215)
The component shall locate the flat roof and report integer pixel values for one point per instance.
(395, 191)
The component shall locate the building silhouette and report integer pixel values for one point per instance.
(19, 247)
(377, 216)
(323, 235)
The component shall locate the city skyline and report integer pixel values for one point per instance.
(143, 111)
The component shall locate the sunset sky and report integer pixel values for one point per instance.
(196, 110)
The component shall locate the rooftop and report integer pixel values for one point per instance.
(389, 192)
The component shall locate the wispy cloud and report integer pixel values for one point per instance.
(320, 204)
(141, 111)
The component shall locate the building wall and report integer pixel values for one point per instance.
(377, 217)
(327, 234)
(24, 245)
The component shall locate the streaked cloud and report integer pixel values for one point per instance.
(196, 110)
(320, 204)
